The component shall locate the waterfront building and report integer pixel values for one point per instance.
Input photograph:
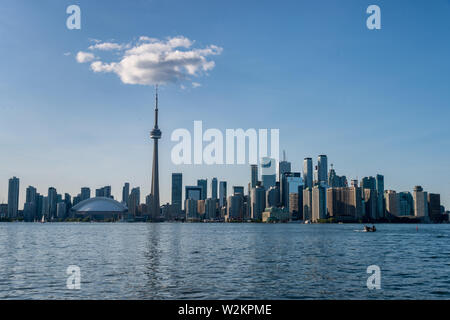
(3, 210)
(61, 210)
(344, 204)
(296, 205)
(29, 211)
(52, 201)
(420, 200)
(177, 189)
(434, 207)
(258, 202)
(370, 203)
(45, 208)
(392, 203)
(210, 208)
(406, 204)
(294, 184)
(319, 206)
(32, 201)
(13, 197)
(380, 195)
(201, 207)
(235, 208)
(191, 209)
(307, 204)
(274, 214)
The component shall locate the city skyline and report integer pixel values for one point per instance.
(327, 82)
(288, 192)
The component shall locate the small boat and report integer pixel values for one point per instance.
(307, 222)
(369, 229)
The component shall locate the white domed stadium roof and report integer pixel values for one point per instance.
(99, 204)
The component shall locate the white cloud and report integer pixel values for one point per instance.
(196, 84)
(83, 57)
(106, 46)
(67, 54)
(152, 61)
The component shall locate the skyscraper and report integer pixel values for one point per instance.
(370, 203)
(193, 193)
(294, 184)
(308, 172)
(369, 183)
(13, 197)
(203, 183)
(254, 175)
(434, 206)
(238, 189)
(392, 201)
(85, 193)
(258, 202)
(344, 203)
(31, 194)
(125, 193)
(420, 198)
(155, 135)
(268, 172)
(222, 193)
(52, 201)
(335, 181)
(380, 195)
(214, 188)
(177, 189)
(283, 167)
(318, 205)
(322, 169)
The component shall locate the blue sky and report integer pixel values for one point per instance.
(374, 101)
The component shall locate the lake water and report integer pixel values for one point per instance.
(223, 261)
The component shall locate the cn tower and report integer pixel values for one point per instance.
(155, 134)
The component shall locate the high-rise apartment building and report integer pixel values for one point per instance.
(222, 193)
(13, 197)
(258, 202)
(420, 199)
(308, 172)
(177, 190)
(125, 193)
(214, 188)
(319, 205)
(85, 193)
(203, 183)
(392, 203)
(322, 169)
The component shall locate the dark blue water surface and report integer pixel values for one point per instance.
(223, 261)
